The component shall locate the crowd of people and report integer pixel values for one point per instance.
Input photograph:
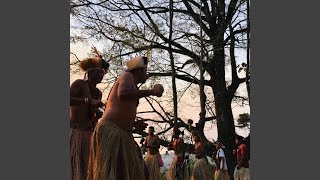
(102, 146)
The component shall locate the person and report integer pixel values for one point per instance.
(85, 99)
(153, 156)
(178, 169)
(201, 166)
(114, 154)
(246, 141)
(221, 172)
(241, 171)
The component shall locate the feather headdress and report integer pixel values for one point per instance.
(94, 62)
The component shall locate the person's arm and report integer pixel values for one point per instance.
(221, 157)
(75, 90)
(127, 91)
(157, 142)
(215, 157)
(223, 162)
(146, 142)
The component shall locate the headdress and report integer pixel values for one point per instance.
(137, 62)
(94, 62)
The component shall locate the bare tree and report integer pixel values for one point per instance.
(131, 27)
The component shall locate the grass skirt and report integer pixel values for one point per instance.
(172, 173)
(221, 175)
(111, 145)
(241, 174)
(201, 170)
(152, 162)
(79, 153)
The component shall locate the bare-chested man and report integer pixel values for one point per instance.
(85, 99)
(114, 154)
(153, 155)
(201, 167)
(177, 169)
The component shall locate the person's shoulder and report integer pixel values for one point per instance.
(242, 146)
(78, 82)
(126, 75)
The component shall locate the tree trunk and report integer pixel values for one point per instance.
(248, 52)
(224, 116)
(226, 132)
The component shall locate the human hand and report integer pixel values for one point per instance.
(158, 90)
(96, 103)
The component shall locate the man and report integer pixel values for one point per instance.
(178, 169)
(152, 158)
(242, 169)
(246, 141)
(85, 99)
(114, 154)
(201, 167)
(221, 172)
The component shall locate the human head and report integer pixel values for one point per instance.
(176, 132)
(196, 136)
(219, 145)
(151, 130)
(95, 68)
(138, 67)
(238, 139)
(96, 75)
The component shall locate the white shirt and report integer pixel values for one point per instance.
(223, 163)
